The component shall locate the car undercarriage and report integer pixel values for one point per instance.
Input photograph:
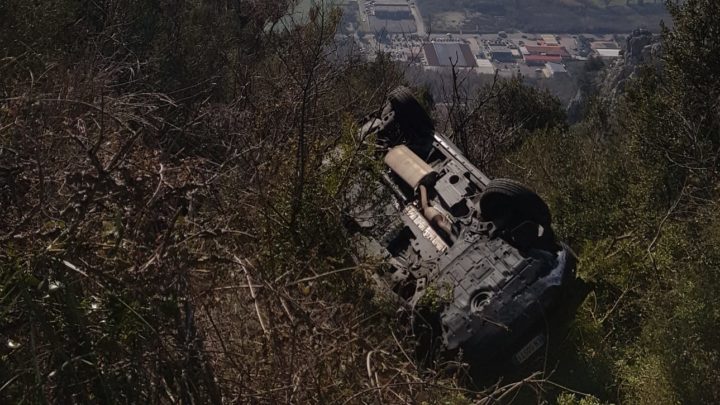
(474, 260)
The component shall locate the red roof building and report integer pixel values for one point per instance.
(548, 50)
(542, 59)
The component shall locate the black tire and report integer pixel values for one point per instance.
(512, 202)
(409, 113)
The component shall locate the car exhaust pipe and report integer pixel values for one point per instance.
(406, 164)
(436, 219)
(416, 173)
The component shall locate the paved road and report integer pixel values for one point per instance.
(419, 23)
(364, 23)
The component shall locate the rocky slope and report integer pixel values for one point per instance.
(642, 48)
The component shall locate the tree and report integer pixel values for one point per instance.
(639, 204)
(500, 116)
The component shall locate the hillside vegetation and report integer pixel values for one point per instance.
(172, 181)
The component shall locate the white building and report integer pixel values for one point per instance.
(550, 40)
(605, 53)
(485, 66)
(553, 69)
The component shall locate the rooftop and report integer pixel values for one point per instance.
(549, 39)
(449, 53)
(391, 3)
(485, 66)
(555, 68)
(499, 48)
(604, 45)
(608, 53)
(542, 59)
(548, 50)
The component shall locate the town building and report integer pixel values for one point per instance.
(540, 55)
(608, 53)
(548, 50)
(392, 16)
(549, 40)
(604, 45)
(501, 53)
(554, 69)
(541, 60)
(485, 66)
(446, 54)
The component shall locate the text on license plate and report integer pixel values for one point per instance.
(531, 347)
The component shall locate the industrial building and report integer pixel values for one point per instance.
(607, 53)
(549, 40)
(484, 66)
(392, 16)
(541, 60)
(390, 3)
(604, 45)
(548, 50)
(540, 55)
(554, 69)
(501, 54)
(441, 54)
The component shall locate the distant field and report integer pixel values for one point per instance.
(598, 16)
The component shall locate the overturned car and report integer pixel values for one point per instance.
(473, 260)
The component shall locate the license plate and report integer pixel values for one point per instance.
(531, 347)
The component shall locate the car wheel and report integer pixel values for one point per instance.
(408, 110)
(510, 201)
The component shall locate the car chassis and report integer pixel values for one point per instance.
(474, 260)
